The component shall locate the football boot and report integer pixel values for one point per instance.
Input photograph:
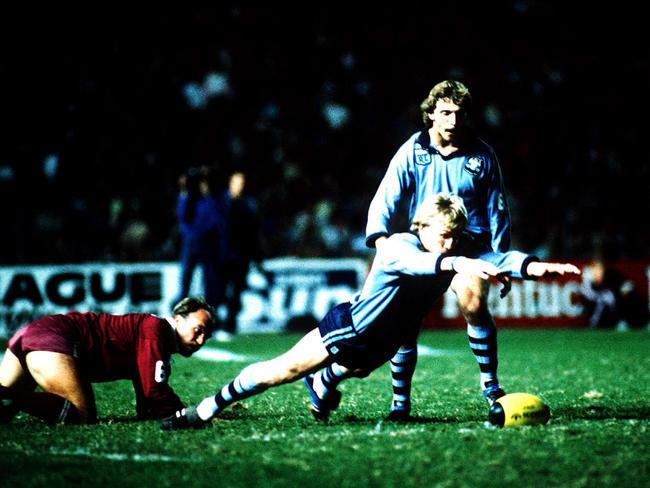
(492, 392)
(320, 408)
(186, 418)
(399, 411)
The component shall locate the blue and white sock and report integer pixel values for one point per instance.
(402, 368)
(243, 386)
(483, 342)
(327, 379)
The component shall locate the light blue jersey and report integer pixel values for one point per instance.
(418, 170)
(405, 280)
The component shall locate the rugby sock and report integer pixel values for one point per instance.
(483, 342)
(327, 379)
(243, 386)
(51, 408)
(402, 368)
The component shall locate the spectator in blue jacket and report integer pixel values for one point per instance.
(202, 225)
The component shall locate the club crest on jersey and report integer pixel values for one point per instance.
(474, 165)
(422, 157)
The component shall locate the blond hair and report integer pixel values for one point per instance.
(448, 205)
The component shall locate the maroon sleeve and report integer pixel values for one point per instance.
(155, 398)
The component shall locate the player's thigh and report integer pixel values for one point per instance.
(308, 355)
(59, 374)
(13, 375)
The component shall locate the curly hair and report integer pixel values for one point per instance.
(453, 91)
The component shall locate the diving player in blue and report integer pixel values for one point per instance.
(448, 157)
(412, 271)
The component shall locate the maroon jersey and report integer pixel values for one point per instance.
(111, 347)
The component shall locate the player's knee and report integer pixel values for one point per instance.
(472, 299)
(47, 384)
(471, 306)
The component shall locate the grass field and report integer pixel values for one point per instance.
(596, 382)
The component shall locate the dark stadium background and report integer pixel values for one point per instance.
(96, 127)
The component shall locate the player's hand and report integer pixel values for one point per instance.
(538, 269)
(476, 267)
(506, 282)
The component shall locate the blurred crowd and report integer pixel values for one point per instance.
(101, 116)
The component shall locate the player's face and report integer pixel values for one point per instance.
(437, 235)
(448, 120)
(192, 331)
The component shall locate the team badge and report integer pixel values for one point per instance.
(501, 202)
(422, 157)
(474, 165)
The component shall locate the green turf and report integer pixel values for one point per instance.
(596, 382)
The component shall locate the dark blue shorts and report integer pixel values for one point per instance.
(352, 349)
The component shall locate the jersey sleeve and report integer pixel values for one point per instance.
(402, 256)
(396, 184)
(155, 399)
(511, 263)
(497, 208)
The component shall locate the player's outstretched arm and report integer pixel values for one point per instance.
(540, 269)
(476, 267)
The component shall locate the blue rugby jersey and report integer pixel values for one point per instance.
(405, 280)
(418, 170)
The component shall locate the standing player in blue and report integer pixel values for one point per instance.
(448, 157)
(412, 271)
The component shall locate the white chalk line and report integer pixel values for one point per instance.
(436, 353)
(115, 456)
(316, 436)
(223, 355)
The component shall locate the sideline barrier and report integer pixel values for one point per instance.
(549, 303)
(282, 293)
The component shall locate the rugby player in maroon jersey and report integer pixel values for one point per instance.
(64, 354)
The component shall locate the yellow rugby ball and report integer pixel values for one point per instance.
(517, 409)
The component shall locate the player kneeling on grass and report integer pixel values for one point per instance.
(359, 336)
(64, 354)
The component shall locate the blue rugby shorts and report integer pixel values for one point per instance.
(350, 348)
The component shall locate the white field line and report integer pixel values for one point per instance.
(316, 436)
(431, 352)
(223, 355)
(212, 354)
(115, 456)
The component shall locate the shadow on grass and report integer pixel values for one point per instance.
(602, 412)
(414, 420)
(119, 420)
